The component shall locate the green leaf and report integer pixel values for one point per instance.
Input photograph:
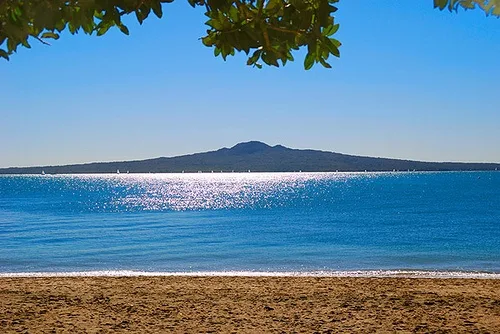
(124, 29)
(208, 40)
(157, 9)
(215, 23)
(4, 54)
(11, 45)
(60, 25)
(234, 14)
(441, 4)
(309, 61)
(270, 59)
(331, 47)
(25, 43)
(330, 30)
(50, 35)
(324, 63)
(102, 30)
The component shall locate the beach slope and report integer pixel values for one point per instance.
(248, 305)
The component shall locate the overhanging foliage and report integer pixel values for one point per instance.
(490, 7)
(266, 30)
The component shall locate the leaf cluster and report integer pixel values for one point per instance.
(490, 7)
(268, 31)
(46, 19)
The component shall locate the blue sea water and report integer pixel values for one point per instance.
(250, 222)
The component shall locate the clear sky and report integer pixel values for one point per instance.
(412, 82)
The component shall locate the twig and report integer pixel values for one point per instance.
(41, 40)
(295, 32)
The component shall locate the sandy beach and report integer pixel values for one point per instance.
(248, 305)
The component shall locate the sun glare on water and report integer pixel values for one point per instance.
(202, 191)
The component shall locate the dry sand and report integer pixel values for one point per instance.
(248, 305)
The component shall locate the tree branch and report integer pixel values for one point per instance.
(295, 32)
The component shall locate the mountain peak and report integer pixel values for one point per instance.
(249, 147)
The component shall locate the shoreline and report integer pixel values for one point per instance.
(177, 304)
(403, 273)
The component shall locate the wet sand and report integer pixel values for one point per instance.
(248, 305)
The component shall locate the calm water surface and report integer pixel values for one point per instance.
(250, 222)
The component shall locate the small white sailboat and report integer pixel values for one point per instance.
(117, 171)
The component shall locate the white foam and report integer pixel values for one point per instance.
(359, 273)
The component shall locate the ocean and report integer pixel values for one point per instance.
(444, 223)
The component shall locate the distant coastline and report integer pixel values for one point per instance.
(255, 156)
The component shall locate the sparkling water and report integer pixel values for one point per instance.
(251, 222)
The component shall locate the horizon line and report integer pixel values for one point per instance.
(248, 142)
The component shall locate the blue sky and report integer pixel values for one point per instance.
(412, 82)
